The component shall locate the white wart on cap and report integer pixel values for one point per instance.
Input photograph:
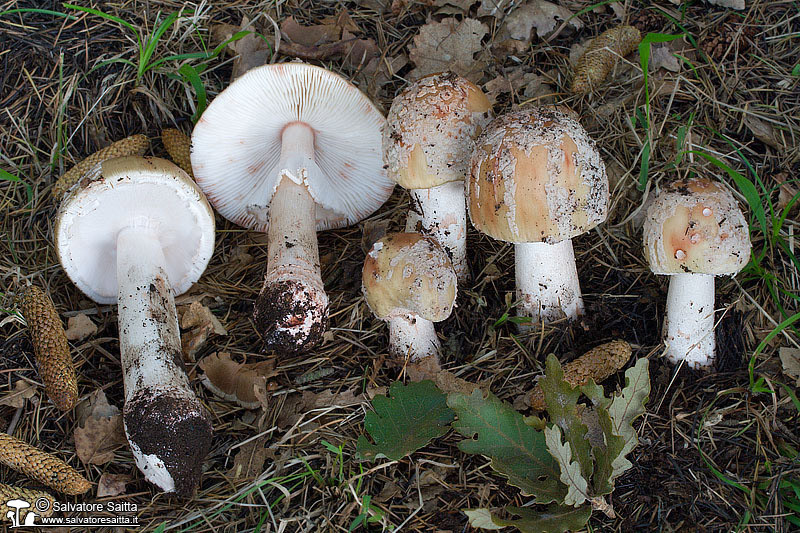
(693, 231)
(409, 282)
(137, 231)
(429, 136)
(291, 149)
(537, 180)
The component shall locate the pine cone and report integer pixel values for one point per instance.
(597, 62)
(648, 20)
(597, 364)
(8, 493)
(722, 42)
(41, 466)
(50, 348)
(133, 145)
(179, 147)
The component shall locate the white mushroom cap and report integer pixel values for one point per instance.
(696, 226)
(431, 128)
(127, 192)
(236, 145)
(536, 176)
(409, 274)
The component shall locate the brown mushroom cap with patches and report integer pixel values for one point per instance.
(536, 175)
(696, 226)
(430, 130)
(409, 273)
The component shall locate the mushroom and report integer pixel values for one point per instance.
(429, 136)
(537, 180)
(409, 282)
(137, 231)
(291, 149)
(693, 231)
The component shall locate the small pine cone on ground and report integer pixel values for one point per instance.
(133, 145)
(596, 63)
(50, 347)
(179, 147)
(41, 466)
(726, 41)
(598, 364)
(8, 493)
(648, 21)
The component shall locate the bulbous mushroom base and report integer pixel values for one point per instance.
(170, 435)
(291, 313)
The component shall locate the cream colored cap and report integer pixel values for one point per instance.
(696, 226)
(431, 128)
(536, 175)
(409, 274)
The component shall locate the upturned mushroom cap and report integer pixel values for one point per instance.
(431, 128)
(536, 175)
(696, 226)
(409, 274)
(133, 191)
(236, 145)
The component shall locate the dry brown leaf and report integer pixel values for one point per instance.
(111, 485)
(248, 463)
(790, 359)
(343, 21)
(296, 405)
(79, 327)
(251, 50)
(662, 56)
(378, 72)
(236, 381)
(199, 315)
(731, 4)
(310, 35)
(787, 191)
(463, 5)
(22, 391)
(763, 131)
(373, 231)
(449, 45)
(95, 405)
(98, 438)
(538, 14)
(492, 8)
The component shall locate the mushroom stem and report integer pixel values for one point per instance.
(689, 324)
(168, 429)
(293, 304)
(547, 282)
(412, 336)
(442, 213)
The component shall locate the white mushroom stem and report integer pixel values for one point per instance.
(293, 286)
(412, 336)
(689, 324)
(167, 427)
(547, 282)
(442, 213)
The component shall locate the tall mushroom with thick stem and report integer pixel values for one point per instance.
(291, 149)
(409, 282)
(537, 180)
(137, 231)
(694, 230)
(429, 136)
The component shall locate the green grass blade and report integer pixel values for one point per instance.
(152, 42)
(7, 176)
(644, 170)
(40, 11)
(106, 16)
(772, 334)
(190, 74)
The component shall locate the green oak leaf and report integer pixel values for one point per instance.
(554, 519)
(561, 400)
(616, 416)
(577, 486)
(405, 421)
(516, 450)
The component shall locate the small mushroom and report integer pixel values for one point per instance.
(693, 231)
(291, 149)
(409, 282)
(537, 180)
(137, 231)
(429, 136)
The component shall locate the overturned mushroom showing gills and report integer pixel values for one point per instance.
(537, 180)
(694, 230)
(291, 149)
(428, 139)
(409, 282)
(149, 219)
